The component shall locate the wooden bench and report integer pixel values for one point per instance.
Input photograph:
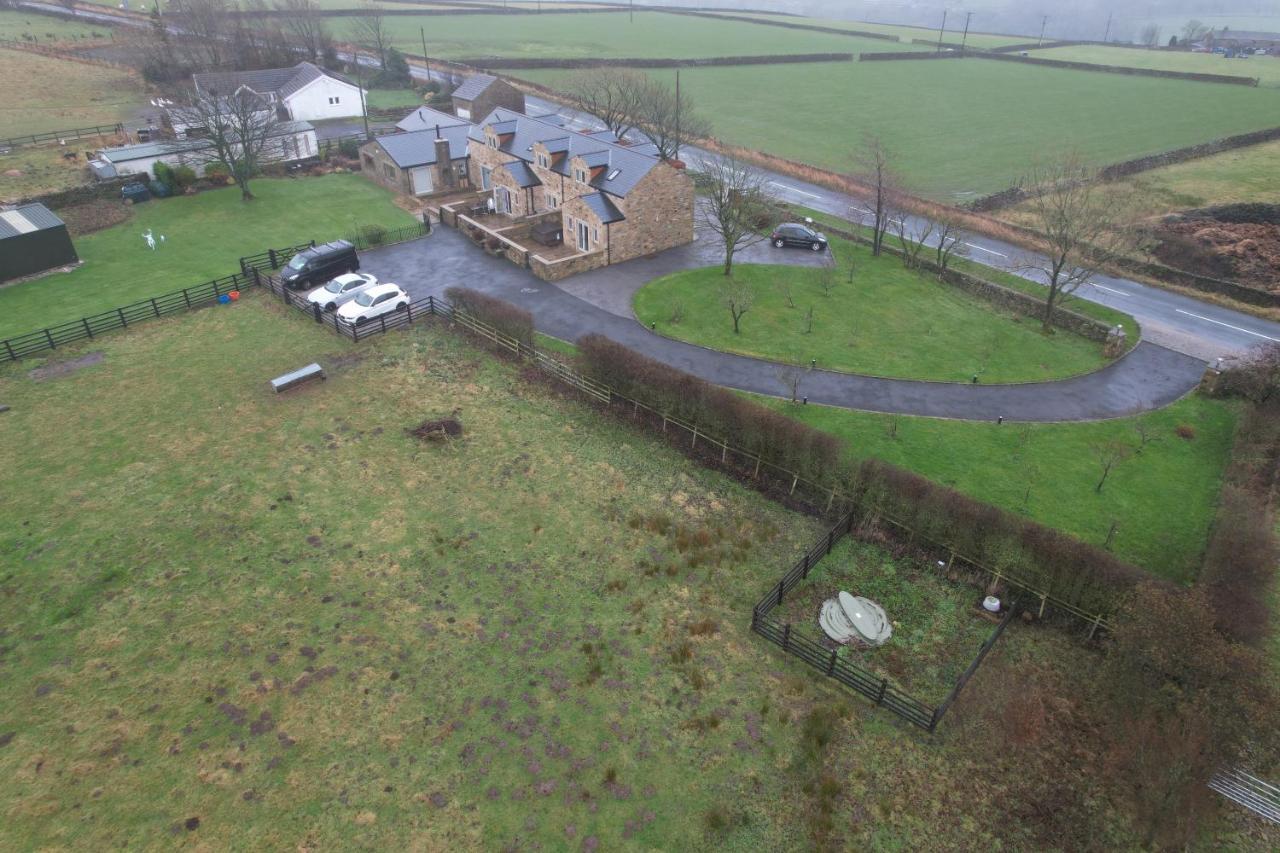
(297, 377)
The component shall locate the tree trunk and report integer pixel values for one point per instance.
(1106, 470)
(736, 317)
(245, 195)
(728, 261)
(1047, 325)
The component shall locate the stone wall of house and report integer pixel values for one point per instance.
(659, 213)
(500, 93)
(374, 164)
(483, 156)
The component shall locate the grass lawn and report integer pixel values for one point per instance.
(46, 29)
(43, 169)
(652, 34)
(386, 99)
(58, 94)
(889, 322)
(205, 235)
(1265, 68)
(936, 632)
(1162, 499)
(234, 619)
(946, 140)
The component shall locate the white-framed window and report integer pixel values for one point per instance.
(580, 175)
(543, 161)
(597, 230)
(552, 201)
(335, 100)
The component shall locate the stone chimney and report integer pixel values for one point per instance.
(448, 177)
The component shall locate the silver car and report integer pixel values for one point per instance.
(341, 290)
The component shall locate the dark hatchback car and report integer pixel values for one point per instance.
(796, 235)
(319, 264)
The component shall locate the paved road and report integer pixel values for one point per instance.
(1149, 377)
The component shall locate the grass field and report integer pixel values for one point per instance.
(1162, 499)
(961, 128)
(904, 33)
(57, 94)
(652, 34)
(43, 169)
(889, 321)
(205, 235)
(385, 99)
(46, 29)
(239, 620)
(1265, 68)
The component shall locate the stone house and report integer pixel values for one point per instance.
(419, 163)
(481, 94)
(612, 202)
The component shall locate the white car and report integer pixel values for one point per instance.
(372, 303)
(341, 290)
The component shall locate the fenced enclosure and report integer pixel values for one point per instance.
(365, 237)
(58, 135)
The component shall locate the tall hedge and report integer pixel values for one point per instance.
(505, 317)
(1066, 568)
(774, 437)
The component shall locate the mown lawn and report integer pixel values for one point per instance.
(964, 127)
(1265, 68)
(205, 235)
(232, 619)
(56, 94)
(890, 321)
(385, 99)
(1162, 500)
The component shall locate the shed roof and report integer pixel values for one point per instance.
(161, 147)
(605, 210)
(26, 219)
(473, 87)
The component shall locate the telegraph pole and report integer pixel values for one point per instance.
(942, 29)
(1107, 34)
(364, 109)
(677, 154)
(965, 40)
(632, 13)
(422, 31)
(1044, 22)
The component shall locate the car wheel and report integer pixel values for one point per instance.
(360, 321)
(817, 247)
(331, 307)
(779, 243)
(403, 306)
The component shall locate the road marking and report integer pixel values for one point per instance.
(988, 251)
(1116, 292)
(1229, 326)
(794, 190)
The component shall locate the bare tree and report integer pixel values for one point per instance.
(735, 206)
(872, 167)
(1146, 435)
(614, 95)
(669, 121)
(370, 30)
(951, 241)
(737, 296)
(207, 24)
(913, 240)
(1083, 229)
(1193, 31)
(303, 21)
(791, 376)
(239, 131)
(1110, 454)
(1150, 35)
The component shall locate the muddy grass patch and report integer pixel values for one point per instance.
(59, 369)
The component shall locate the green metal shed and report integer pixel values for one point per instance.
(33, 239)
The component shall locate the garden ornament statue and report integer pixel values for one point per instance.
(151, 240)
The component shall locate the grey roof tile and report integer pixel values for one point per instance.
(424, 118)
(418, 148)
(473, 87)
(522, 173)
(603, 208)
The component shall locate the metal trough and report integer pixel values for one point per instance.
(297, 377)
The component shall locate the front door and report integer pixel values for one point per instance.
(584, 236)
(422, 183)
(502, 198)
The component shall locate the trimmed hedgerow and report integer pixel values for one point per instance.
(1062, 566)
(775, 438)
(507, 318)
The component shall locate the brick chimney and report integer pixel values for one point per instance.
(448, 178)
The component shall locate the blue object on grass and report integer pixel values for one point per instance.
(224, 299)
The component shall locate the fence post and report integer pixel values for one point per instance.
(830, 501)
(664, 423)
(884, 685)
(431, 304)
(695, 436)
(382, 321)
(186, 297)
(780, 589)
(408, 313)
(355, 332)
(271, 255)
(88, 330)
(1044, 597)
(216, 292)
(48, 337)
(795, 479)
(317, 313)
(724, 454)
(9, 349)
(284, 295)
(120, 314)
(154, 307)
(257, 278)
(1094, 626)
(804, 561)
(831, 540)
(756, 475)
(831, 664)
(786, 637)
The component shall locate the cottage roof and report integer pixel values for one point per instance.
(161, 147)
(418, 148)
(523, 175)
(26, 219)
(473, 87)
(605, 210)
(281, 82)
(625, 166)
(424, 117)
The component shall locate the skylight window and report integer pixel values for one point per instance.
(613, 174)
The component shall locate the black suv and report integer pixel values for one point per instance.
(800, 236)
(319, 264)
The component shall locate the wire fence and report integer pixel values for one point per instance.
(60, 135)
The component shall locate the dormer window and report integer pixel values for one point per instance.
(544, 161)
(580, 175)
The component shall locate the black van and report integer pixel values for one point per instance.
(312, 267)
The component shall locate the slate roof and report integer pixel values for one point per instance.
(1246, 35)
(424, 118)
(626, 165)
(281, 82)
(604, 209)
(418, 148)
(522, 173)
(26, 219)
(160, 147)
(473, 87)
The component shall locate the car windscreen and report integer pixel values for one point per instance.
(364, 300)
(298, 262)
(334, 286)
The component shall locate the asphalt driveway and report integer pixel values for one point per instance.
(1149, 377)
